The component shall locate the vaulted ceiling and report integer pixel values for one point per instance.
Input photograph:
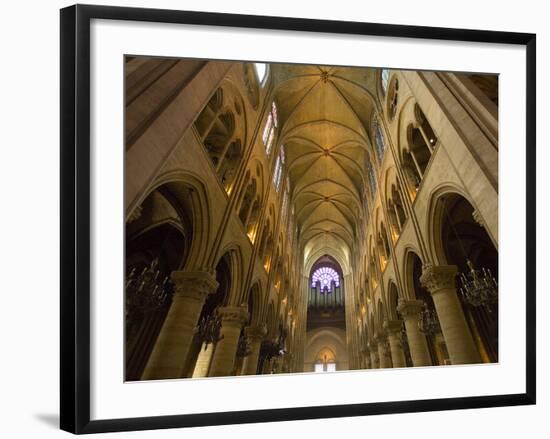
(326, 114)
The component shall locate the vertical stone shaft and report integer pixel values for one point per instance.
(172, 346)
(203, 361)
(233, 318)
(383, 354)
(440, 282)
(393, 328)
(410, 310)
(255, 336)
(374, 362)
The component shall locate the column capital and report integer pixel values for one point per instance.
(194, 284)
(236, 315)
(437, 278)
(410, 308)
(393, 326)
(380, 337)
(256, 332)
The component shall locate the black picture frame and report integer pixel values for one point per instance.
(75, 217)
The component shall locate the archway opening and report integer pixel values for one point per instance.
(158, 241)
(466, 244)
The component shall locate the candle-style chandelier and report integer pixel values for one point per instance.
(479, 287)
(208, 329)
(275, 348)
(428, 322)
(147, 290)
(243, 346)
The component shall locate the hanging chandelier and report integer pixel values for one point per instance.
(478, 287)
(243, 347)
(147, 290)
(428, 323)
(209, 328)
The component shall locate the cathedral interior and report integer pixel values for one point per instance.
(286, 218)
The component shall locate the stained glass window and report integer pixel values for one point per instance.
(270, 141)
(385, 79)
(279, 164)
(372, 177)
(379, 141)
(325, 277)
(269, 130)
(274, 113)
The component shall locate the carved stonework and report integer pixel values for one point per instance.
(233, 315)
(438, 278)
(478, 218)
(136, 213)
(381, 338)
(393, 326)
(410, 308)
(194, 284)
(256, 332)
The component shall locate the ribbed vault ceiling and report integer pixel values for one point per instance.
(325, 115)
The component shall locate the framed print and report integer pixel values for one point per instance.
(269, 218)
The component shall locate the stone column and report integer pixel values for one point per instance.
(167, 359)
(255, 336)
(410, 310)
(383, 354)
(374, 362)
(203, 361)
(393, 328)
(440, 282)
(365, 355)
(233, 318)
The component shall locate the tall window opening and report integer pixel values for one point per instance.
(271, 125)
(379, 140)
(279, 165)
(385, 78)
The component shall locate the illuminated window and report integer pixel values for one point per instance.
(379, 141)
(279, 165)
(325, 367)
(271, 124)
(261, 71)
(385, 79)
(325, 277)
(372, 177)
